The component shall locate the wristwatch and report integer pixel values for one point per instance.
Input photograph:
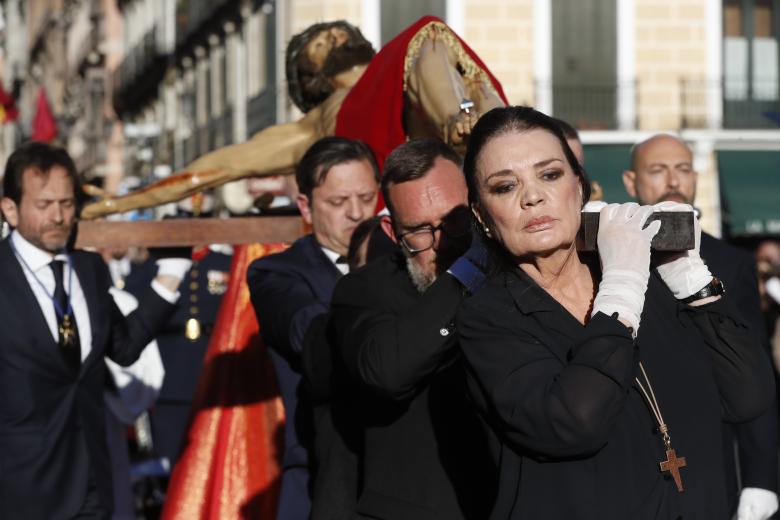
(714, 288)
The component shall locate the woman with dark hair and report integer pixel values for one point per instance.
(593, 416)
(368, 242)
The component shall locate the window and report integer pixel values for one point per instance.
(584, 50)
(750, 62)
(217, 79)
(256, 55)
(399, 14)
(203, 90)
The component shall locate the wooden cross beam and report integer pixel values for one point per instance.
(676, 233)
(188, 232)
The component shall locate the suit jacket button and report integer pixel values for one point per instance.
(444, 331)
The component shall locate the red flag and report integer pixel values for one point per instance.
(8, 110)
(44, 126)
(230, 466)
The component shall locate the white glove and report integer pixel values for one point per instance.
(624, 249)
(773, 288)
(756, 504)
(687, 274)
(176, 267)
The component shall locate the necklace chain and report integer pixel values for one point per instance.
(652, 402)
(61, 313)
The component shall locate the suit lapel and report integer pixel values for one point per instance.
(88, 284)
(326, 271)
(19, 295)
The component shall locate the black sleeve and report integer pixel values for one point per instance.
(742, 369)
(284, 305)
(544, 405)
(316, 360)
(130, 334)
(757, 444)
(392, 353)
(757, 440)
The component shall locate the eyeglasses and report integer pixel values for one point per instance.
(424, 237)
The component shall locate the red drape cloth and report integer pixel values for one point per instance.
(230, 466)
(44, 126)
(373, 109)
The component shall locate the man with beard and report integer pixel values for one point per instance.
(426, 82)
(424, 456)
(58, 322)
(338, 184)
(662, 170)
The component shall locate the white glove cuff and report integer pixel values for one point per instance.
(176, 267)
(622, 292)
(756, 504)
(685, 276)
(773, 288)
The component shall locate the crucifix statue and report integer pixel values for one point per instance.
(426, 82)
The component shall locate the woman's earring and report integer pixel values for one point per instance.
(487, 232)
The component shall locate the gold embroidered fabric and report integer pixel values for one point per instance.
(471, 72)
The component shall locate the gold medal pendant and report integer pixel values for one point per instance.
(192, 329)
(67, 332)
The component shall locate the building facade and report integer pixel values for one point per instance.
(182, 77)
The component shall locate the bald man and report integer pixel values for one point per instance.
(662, 170)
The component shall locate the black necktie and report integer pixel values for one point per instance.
(341, 260)
(70, 352)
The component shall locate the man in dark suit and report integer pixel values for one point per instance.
(662, 170)
(424, 452)
(59, 321)
(338, 181)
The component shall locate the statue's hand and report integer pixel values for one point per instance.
(100, 208)
(459, 128)
(97, 208)
(93, 191)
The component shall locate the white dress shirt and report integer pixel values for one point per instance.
(333, 256)
(38, 261)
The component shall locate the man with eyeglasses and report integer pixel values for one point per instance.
(424, 454)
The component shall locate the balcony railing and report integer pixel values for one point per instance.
(261, 111)
(138, 77)
(189, 149)
(744, 104)
(191, 15)
(137, 60)
(221, 129)
(590, 106)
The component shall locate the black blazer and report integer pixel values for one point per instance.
(52, 430)
(425, 456)
(573, 436)
(288, 290)
(757, 440)
(334, 435)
